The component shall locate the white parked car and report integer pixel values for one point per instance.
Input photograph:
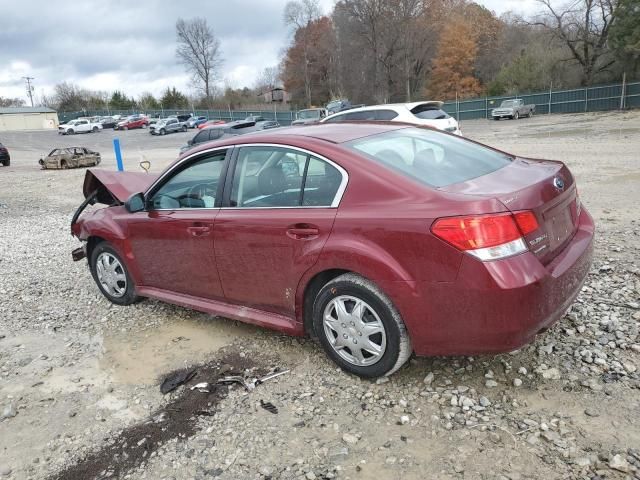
(417, 113)
(80, 125)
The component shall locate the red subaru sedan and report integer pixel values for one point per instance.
(381, 240)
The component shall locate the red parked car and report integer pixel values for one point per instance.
(379, 239)
(208, 123)
(134, 121)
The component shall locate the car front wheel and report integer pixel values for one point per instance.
(359, 328)
(111, 275)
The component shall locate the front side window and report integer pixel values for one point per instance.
(193, 186)
(336, 119)
(432, 158)
(281, 177)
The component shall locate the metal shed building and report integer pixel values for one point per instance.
(28, 118)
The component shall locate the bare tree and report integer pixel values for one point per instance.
(199, 50)
(583, 26)
(299, 14)
(268, 79)
(11, 102)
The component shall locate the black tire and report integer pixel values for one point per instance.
(162, 131)
(184, 128)
(129, 296)
(516, 115)
(6, 162)
(63, 164)
(71, 131)
(94, 129)
(398, 345)
(496, 118)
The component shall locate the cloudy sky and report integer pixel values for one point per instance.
(129, 45)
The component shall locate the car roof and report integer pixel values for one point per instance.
(329, 132)
(389, 106)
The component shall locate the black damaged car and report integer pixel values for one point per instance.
(5, 158)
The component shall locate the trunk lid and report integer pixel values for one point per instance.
(120, 185)
(545, 187)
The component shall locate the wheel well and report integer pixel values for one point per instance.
(91, 244)
(310, 293)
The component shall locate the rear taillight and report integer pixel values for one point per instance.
(487, 237)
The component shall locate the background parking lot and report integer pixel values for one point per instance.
(79, 377)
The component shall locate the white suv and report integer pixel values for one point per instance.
(417, 113)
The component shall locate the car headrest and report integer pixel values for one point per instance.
(424, 159)
(271, 180)
(389, 156)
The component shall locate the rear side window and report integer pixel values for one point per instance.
(267, 177)
(429, 112)
(385, 114)
(432, 158)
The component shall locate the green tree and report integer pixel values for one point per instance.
(173, 98)
(625, 34)
(119, 101)
(148, 102)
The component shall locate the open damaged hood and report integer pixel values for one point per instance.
(121, 185)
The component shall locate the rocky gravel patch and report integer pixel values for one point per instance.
(79, 377)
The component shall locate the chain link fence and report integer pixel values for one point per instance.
(591, 99)
(579, 100)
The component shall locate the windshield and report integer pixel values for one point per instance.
(308, 114)
(432, 158)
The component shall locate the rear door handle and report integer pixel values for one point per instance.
(199, 230)
(302, 232)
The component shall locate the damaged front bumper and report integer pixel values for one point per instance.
(81, 252)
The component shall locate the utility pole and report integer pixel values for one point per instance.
(29, 88)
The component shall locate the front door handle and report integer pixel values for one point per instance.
(302, 231)
(199, 230)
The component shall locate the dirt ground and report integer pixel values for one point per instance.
(79, 377)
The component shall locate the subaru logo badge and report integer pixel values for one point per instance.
(558, 183)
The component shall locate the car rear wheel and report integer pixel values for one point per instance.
(359, 328)
(144, 125)
(6, 162)
(111, 275)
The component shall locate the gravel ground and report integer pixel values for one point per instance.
(79, 378)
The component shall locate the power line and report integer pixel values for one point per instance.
(29, 88)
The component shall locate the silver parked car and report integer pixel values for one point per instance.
(167, 125)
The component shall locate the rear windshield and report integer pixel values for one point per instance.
(429, 113)
(432, 158)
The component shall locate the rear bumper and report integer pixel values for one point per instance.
(495, 306)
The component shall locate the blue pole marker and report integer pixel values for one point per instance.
(116, 148)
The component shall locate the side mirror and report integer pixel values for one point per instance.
(135, 203)
(190, 142)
